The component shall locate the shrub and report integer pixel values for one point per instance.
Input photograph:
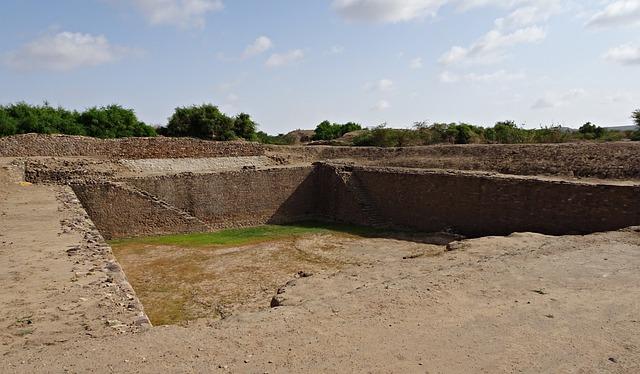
(280, 139)
(329, 131)
(553, 134)
(636, 120)
(507, 132)
(107, 122)
(206, 121)
(244, 127)
(8, 125)
(590, 131)
(22, 118)
(382, 136)
(113, 121)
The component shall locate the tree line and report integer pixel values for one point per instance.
(206, 121)
(113, 121)
(504, 132)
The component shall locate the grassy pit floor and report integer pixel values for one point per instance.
(180, 278)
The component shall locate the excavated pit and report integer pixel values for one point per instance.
(393, 300)
(179, 284)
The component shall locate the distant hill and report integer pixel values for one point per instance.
(622, 128)
(611, 128)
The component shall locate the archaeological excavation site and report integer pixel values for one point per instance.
(181, 255)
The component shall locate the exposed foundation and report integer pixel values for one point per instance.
(467, 203)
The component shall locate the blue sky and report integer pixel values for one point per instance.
(293, 63)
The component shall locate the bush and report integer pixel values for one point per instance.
(590, 131)
(553, 134)
(8, 125)
(382, 136)
(636, 120)
(244, 127)
(22, 118)
(280, 139)
(507, 132)
(113, 121)
(206, 121)
(107, 122)
(329, 131)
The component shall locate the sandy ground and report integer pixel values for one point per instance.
(524, 303)
(59, 279)
(180, 284)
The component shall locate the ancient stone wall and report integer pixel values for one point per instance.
(477, 204)
(238, 198)
(619, 160)
(468, 203)
(119, 211)
(336, 202)
(30, 145)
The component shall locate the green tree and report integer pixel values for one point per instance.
(636, 120)
(205, 121)
(328, 131)
(507, 132)
(349, 127)
(591, 131)
(280, 139)
(43, 119)
(244, 127)
(8, 124)
(113, 121)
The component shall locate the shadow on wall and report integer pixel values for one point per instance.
(470, 204)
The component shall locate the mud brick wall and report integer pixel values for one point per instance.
(119, 212)
(619, 160)
(476, 205)
(29, 145)
(238, 198)
(335, 203)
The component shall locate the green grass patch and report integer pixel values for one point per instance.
(244, 236)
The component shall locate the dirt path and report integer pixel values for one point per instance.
(58, 280)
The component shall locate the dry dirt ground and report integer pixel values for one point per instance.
(524, 303)
(178, 284)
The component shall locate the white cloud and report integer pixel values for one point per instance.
(381, 85)
(543, 103)
(554, 100)
(491, 46)
(382, 105)
(621, 12)
(498, 76)
(182, 13)
(277, 59)
(416, 63)
(530, 13)
(470, 4)
(625, 54)
(65, 51)
(386, 10)
(260, 45)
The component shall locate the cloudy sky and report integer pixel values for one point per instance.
(293, 63)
